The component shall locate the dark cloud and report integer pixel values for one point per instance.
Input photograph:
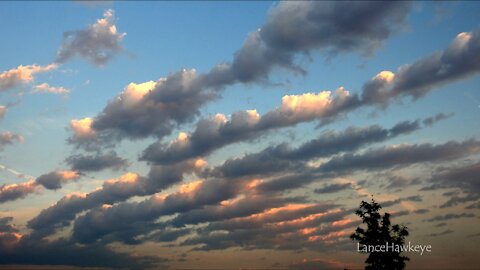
(400, 156)
(448, 231)
(301, 27)
(98, 162)
(465, 178)
(414, 198)
(24, 251)
(98, 43)
(54, 180)
(101, 222)
(449, 216)
(161, 106)
(6, 227)
(432, 120)
(13, 192)
(288, 233)
(116, 190)
(242, 207)
(332, 188)
(457, 61)
(215, 133)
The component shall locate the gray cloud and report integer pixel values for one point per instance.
(25, 251)
(13, 192)
(449, 216)
(177, 98)
(98, 43)
(332, 188)
(6, 227)
(98, 162)
(54, 180)
(448, 231)
(300, 27)
(116, 190)
(7, 138)
(400, 156)
(101, 222)
(457, 61)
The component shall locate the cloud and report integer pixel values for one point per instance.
(21, 75)
(448, 231)
(449, 216)
(99, 223)
(98, 43)
(459, 60)
(464, 178)
(13, 192)
(332, 188)
(20, 249)
(46, 88)
(400, 156)
(315, 231)
(146, 109)
(98, 162)
(282, 157)
(215, 132)
(301, 27)
(155, 108)
(441, 116)
(112, 191)
(54, 180)
(7, 138)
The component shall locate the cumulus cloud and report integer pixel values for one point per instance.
(46, 88)
(98, 43)
(21, 75)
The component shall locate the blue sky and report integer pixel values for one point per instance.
(154, 40)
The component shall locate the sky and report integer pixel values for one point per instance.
(236, 135)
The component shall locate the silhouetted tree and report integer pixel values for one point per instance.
(380, 232)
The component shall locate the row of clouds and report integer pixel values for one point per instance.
(459, 60)
(118, 222)
(156, 108)
(51, 181)
(225, 197)
(276, 159)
